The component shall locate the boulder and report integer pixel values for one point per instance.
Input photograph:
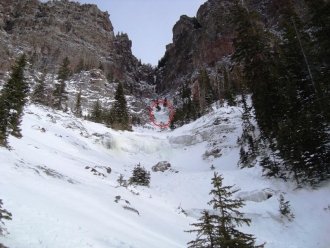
(161, 166)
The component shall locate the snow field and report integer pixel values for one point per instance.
(56, 202)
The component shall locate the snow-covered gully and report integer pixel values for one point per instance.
(60, 184)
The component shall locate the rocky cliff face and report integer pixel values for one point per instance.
(204, 41)
(47, 32)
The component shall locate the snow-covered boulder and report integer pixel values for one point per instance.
(255, 195)
(161, 166)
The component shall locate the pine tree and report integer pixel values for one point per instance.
(81, 66)
(121, 112)
(229, 217)
(173, 122)
(206, 232)
(110, 76)
(319, 26)
(284, 92)
(196, 104)
(228, 91)
(77, 107)
(178, 119)
(284, 208)
(140, 176)
(254, 51)
(64, 70)
(60, 93)
(109, 117)
(4, 214)
(121, 180)
(207, 94)
(97, 113)
(303, 140)
(187, 112)
(248, 142)
(219, 229)
(272, 167)
(3, 123)
(243, 158)
(13, 97)
(39, 93)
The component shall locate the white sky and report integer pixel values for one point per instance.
(148, 23)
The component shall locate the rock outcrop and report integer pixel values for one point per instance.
(161, 166)
(47, 32)
(198, 42)
(205, 42)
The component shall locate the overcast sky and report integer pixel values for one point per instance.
(148, 23)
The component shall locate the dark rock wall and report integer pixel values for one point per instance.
(50, 31)
(205, 42)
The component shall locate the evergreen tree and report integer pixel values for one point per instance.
(110, 76)
(179, 117)
(228, 89)
(121, 181)
(207, 94)
(248, 142)
(284, 208)
(81, 66)
(303, 140)
(319, 26)
(121, 112)
(13, 97)
(77, 107)
(60, 93)
(4, 214)
(196, 104)
(254, 51)
(109, 117)
(243, 158)
(173, 122)
(272, 166)
(206, 232)
(284, 93)
(229, 217)
(188, 111)
(219, 229)
(140, 176)
(97, 113)
(3, 122)
(64, 70)
(39, 93)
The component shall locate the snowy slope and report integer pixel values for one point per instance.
(57, 202)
